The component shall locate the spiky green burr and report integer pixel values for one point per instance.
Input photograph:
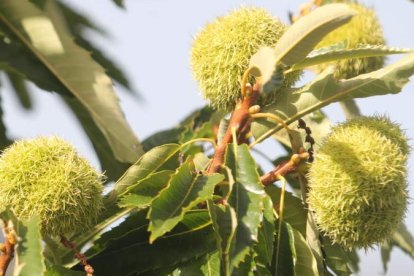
(363, 29)
(358, 189)
(222, 49)
(46, 177)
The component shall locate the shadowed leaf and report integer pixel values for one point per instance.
(246, 198)
(44, 39)
(192, 238)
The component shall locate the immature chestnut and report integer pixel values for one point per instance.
(46, 177)
(358, 189)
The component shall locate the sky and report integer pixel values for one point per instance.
(151, 40)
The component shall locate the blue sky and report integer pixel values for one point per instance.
(151, 40)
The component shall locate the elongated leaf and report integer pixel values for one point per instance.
(208, 265)
(4, 140)
(45, 39)
(304, 262)
(147, 164)
(184, 191)
(29, 257)
(325, 89)
(402, 239)
(20, 88)
(112, 167)
(169, 136)
(54, 270)
(324, 55)
(247, 200)
(191, 239)
(294, 211)
(304, 34)
(119, 3)
(282, 262)
(141, 194)
(224, 221)
(337, 259)
(264, 248)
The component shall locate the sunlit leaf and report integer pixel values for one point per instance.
(141, 194)
(184, 191)
(29, 256)
(325, 89)
(305, 33)
(147, 164)
(324, 55)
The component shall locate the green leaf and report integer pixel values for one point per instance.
(19, 86)
(284, 264)
(119, 3)
(386, 249)
(297, 42)
(224, 221)
(4, 140)
(168, 136)
(304, 34)
(45, 39)
(184, 191)
(29, 256)
(246, 198)
(304, 262)
(141, 194)
(294, 211)
(328, 54)
(191, 239)
(112, 167)
(208, 265)
(402, 239)
(325, 89)
(147, 164)
(264, 248)
(54, 270)
(337, 258)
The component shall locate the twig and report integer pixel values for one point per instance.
(284, 168)
(7, 249)
(240, 119)
(82, 259)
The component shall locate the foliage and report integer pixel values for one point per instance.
(180, 206)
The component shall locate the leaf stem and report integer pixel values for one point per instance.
(279, 230)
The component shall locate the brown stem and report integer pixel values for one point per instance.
(284, 168)
(7, 251)
(82, 259)
(240, 120)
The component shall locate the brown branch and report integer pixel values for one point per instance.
(82, 259)
(7, 250)
(284, 168)
(240, 120)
